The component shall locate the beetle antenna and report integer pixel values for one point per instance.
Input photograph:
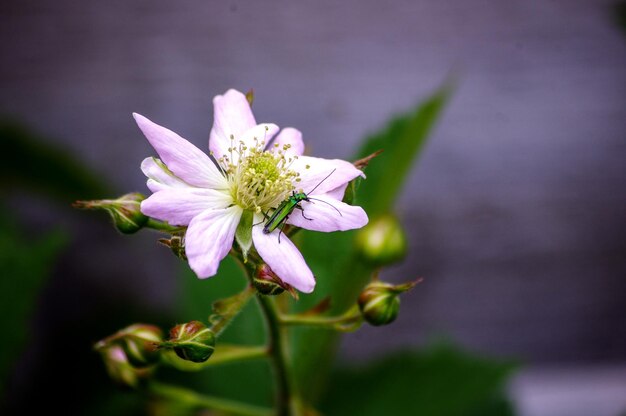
(328, 203)
(333, 171)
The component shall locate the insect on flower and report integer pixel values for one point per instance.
(254, 170)
(281, 214)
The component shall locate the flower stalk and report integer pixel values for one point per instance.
(200, 401)
(288, 402)
(349, 321)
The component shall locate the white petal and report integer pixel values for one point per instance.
(178, 206)
(316, 176)
(293, 138)
(181, 157)
(209, 238)
(339, 192)
(249, 139)
(159, 176)
(262, 133)
(325, 213)
(232, 115)
(283, 257)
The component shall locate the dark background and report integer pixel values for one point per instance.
(515, 214)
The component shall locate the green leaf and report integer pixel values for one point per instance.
(339, 272)
(440, 381)
(25, 265)
(401, 143)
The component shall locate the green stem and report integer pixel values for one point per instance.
(162, 226)
(288, 402)
(200, 401)
(349, 321)
(224, 354)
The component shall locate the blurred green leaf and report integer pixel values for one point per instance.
(25, 266)
(33, 163)
(401, 143)
(439, 381)
(340, 274)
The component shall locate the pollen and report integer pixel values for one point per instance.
(261, 180)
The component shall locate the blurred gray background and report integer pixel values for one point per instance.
(515, 213)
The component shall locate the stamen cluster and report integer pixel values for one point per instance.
(260, 179)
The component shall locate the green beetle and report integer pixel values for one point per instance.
(281, 214)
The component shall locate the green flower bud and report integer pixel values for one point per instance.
(140, 343)
(266, 282)
(192, 341)
(382, 241)
(125, 211)
(380, 302)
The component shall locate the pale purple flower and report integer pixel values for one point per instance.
(252, 173)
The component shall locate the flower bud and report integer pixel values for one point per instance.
(140, 343)
(125, 211)
(266, 282)
(380, 302)
(118, 367)
(382, 241)
(192, 341)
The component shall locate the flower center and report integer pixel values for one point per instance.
(260, 180)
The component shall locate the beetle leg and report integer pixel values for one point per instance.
(281, 228)
(302, 209)
(265, 218)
